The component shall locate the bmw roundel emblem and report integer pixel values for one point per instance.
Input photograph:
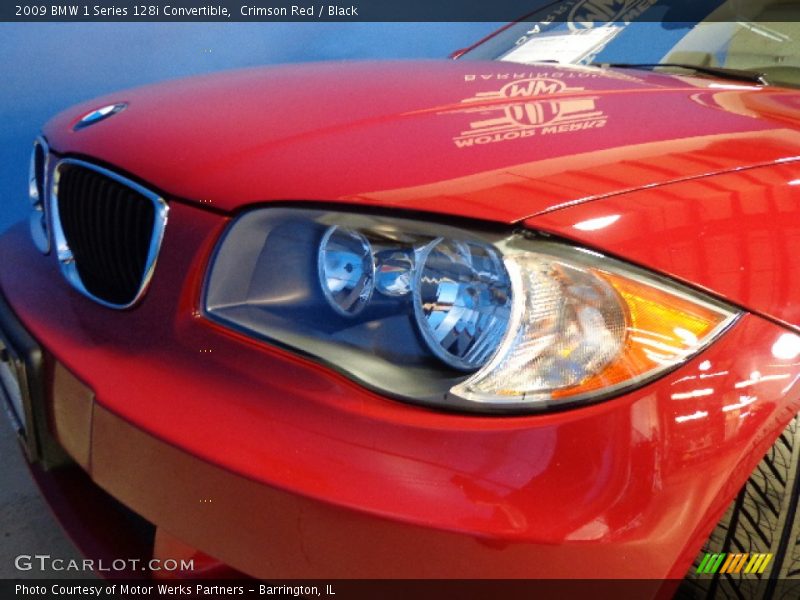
(99, 114)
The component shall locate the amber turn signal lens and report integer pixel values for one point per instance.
(584, 326)
(662, 330)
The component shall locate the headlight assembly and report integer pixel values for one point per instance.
(457, 319)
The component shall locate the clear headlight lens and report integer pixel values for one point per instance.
(346, 270)
(461, 301)
(452, 318)
(393, 271)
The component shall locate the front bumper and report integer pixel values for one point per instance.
(283, 469)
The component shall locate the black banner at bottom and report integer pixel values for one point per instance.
(338, 589)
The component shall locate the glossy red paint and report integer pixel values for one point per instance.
(367, 134)
(341, 461)
(737, 234)
(281, 444)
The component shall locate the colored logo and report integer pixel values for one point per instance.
(728, 562)
(99, 114)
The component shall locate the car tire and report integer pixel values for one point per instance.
(762, 519)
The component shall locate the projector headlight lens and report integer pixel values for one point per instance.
(394, 269)
(451, 318)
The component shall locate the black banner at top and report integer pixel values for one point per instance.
(576, 11)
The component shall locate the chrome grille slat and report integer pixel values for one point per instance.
(38, 177)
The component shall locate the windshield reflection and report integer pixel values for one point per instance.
(758, 37)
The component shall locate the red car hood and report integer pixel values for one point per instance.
(489, 140)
